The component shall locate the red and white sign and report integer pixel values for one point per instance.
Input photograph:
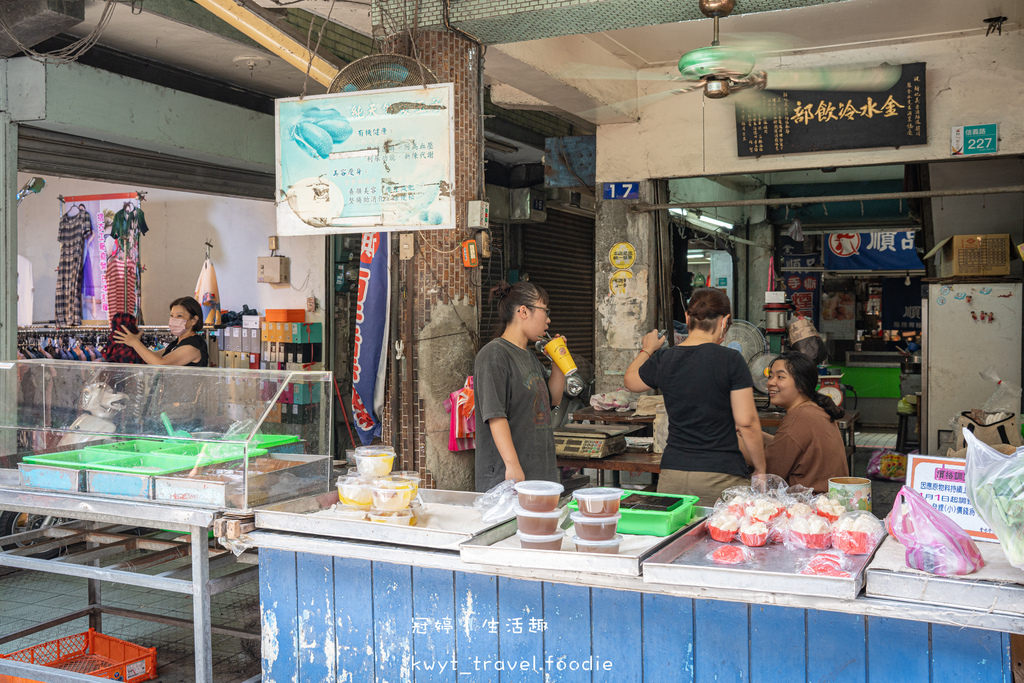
(844, 244)
(942, 482)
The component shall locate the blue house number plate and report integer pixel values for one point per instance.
(621, 191)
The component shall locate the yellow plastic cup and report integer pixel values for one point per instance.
(559, 354)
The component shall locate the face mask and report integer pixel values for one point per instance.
(177, 326)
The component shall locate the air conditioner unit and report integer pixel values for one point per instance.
(527, 205)
(571, 201)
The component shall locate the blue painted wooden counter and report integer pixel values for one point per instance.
(339, 619)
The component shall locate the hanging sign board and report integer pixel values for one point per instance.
(803, 288)
(372, 160)
(786, 122)
(871, 251)
(901, 304)
(942, 483)
(966, 140)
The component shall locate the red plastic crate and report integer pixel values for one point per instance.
(89, 653)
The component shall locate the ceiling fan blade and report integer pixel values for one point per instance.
(623, 107)
(872, 79)
(593, 72)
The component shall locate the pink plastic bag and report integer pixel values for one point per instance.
(935, 543)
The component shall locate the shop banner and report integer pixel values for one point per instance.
(872, 251)
(370, 357)
(803, 288)
(901, 304)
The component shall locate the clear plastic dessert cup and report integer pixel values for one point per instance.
(595, 528)
(538, 496)
(537, 523)
(548, 542)
(599, 502)
(374, 462)
(392, 494)
(396, 517)
(409, 475)
(354, 492)
(609, 547)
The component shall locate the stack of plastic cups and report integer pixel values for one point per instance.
(597, 520)
(537, 515)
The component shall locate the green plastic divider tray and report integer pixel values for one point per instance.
(150, 464)
(211, 453)
(133, 446)
(74, 460)
(273, 440)
(653, 522)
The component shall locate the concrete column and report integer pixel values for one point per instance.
(438, 296)
(622, 319)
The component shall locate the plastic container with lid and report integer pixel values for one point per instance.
(545, 542)
(608, 547)
(392, 495)
(373, 461)
(537, 523)
(397, 517)
(408, 475)
(599, 502)
(355, 492)
(538, 496)
(591, 528)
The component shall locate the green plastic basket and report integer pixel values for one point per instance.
(211, 453)
(653, 522)
(73, 460)
(132, 447)
(153, 464)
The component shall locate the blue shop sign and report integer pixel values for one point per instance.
(901, 304)
(872, 251)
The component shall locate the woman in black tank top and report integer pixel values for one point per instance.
(188, 349)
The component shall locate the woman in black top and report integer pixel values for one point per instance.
(189, 349)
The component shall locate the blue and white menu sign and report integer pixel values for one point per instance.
(366, 161)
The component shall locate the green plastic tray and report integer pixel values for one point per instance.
(273, 440)
(653, 522)
(73, 460)
(134, 446)
(152, 464)
(210, 453)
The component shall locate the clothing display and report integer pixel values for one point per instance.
(92, 278)
(116, 352)
(75, 228)
(26, 288)
(122, 273)
(208, 295)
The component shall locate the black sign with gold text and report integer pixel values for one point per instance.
(787, 122)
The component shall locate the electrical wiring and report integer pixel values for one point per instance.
(70, 53)
(433, 248)
(319, 38)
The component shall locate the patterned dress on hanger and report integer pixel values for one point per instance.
(122, 274)
(72, 235)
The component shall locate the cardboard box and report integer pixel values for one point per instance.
(252, 321)
(306, 333)
(234, 339)
(973, 255)
(305, 393)
(286, 315)
(254, 361)
(264, 331)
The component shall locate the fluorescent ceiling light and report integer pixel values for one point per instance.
(700, 219)
(699, 253)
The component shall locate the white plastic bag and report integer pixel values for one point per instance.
(496, 504)
(995, 484)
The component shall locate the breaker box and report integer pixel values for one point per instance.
(273, 270)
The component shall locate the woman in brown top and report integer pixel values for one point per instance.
(807, 448)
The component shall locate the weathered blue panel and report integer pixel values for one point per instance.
(617, 636)
(912, 637)
(476, 599)
(966, 655)
(668, 657)
(836, 650)
(567, 633)
(392, 621)
(570, 160)
(522, 600)
(434, 624)
(775, 659)
(353, 619)
(278, 616)
(721, 633)
(317, 656)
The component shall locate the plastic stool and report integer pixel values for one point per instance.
(903, 438)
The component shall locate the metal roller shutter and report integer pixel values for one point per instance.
(558, 255)
(71, 156)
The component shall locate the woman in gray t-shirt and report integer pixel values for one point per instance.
(514, 437)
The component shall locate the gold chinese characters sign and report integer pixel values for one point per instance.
(787, 122)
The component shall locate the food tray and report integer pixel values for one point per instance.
(90, 653)
(209, 453)
(279, 443)
(996, 587)
(131, 447)
(74, 460)
(450, 520)
(276, 477)
(683, 562)
(500, 546)
(132, 477)
(653, 522)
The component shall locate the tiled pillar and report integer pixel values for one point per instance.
(437, 310)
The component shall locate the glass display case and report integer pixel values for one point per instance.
(213, 438)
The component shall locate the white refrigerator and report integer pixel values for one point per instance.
(967, 328)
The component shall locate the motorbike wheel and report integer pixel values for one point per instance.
(12, 522)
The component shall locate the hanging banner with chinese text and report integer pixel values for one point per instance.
(871, 251)
(803, 288)
(366, 160)
(901, 304)
(370, 355)
(786, 122)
